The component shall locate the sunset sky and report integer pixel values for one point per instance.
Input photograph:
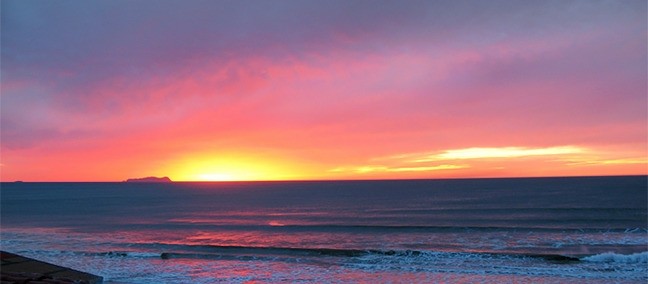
(266, 90)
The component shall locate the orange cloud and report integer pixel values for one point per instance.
(499, 161)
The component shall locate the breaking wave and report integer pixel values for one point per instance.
(640, 257)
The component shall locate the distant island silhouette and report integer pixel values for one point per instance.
(150, 179)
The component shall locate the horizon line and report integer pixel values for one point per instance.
(330, 180)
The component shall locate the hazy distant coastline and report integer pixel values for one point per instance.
(149, 179)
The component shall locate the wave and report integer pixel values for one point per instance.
(209, 251)
(125, 254)
(173, 251)
(187, 251)
(134, 254)
(169, 251)
(178, 251)
(640, 257)
(605, 265)
(278, 226)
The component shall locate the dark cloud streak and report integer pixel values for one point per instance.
(92, 40)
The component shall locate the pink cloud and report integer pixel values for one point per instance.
(338, 92)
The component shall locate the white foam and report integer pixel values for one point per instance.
(143, 254)
(639, 257)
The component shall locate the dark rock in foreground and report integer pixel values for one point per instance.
(149, 179)
(19, 269)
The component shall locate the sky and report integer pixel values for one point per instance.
(293, 90)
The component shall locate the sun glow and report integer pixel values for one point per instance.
(230, 167)
(216, 177)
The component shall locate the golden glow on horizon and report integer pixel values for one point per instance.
(599, 161)
(498, 161)
(229, 167)
(216, 177)
(242, 165)
(371, 169)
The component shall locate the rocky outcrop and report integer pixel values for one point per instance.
(150, 179)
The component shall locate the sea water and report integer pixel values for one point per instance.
(550, 230)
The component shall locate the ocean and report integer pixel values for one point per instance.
(517, 230)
